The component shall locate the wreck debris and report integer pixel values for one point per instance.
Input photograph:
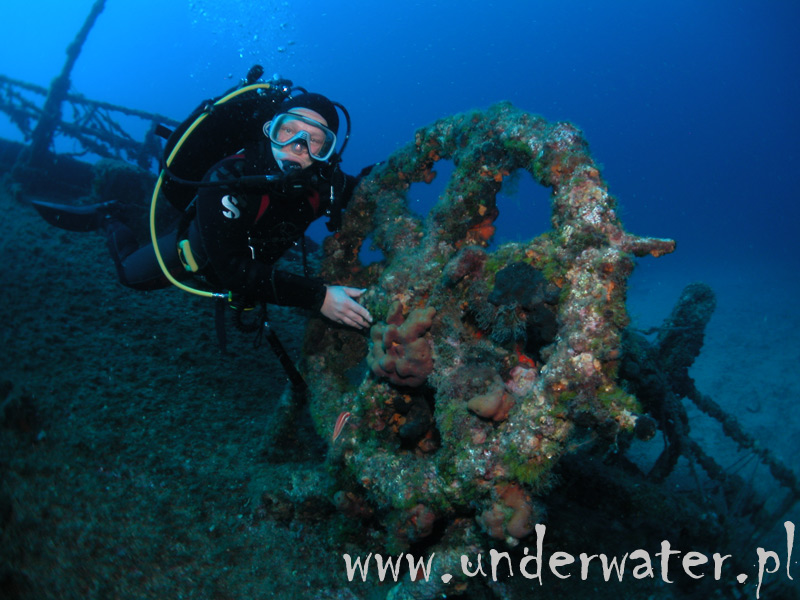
(42, 137)
(92, 125)
(658, 374)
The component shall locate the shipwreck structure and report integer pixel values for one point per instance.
(98, 128)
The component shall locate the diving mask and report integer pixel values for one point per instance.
(291, 128)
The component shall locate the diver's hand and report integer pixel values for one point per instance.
(340, 307)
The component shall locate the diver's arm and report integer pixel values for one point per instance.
(224, 239)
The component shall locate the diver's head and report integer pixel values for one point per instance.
(303, 132)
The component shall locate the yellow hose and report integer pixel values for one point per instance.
(157, 189)
(160, 259)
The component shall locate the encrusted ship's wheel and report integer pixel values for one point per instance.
(485, 366)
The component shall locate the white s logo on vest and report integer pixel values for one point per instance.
(230, 203)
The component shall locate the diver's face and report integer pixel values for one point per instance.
(297, 153)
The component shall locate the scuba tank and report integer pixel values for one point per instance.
(218, 128)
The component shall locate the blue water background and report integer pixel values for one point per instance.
(691, 107)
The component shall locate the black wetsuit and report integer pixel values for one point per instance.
(237, 233)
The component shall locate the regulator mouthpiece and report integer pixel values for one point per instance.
(289, 166)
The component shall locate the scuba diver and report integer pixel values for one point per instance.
(248, 210)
